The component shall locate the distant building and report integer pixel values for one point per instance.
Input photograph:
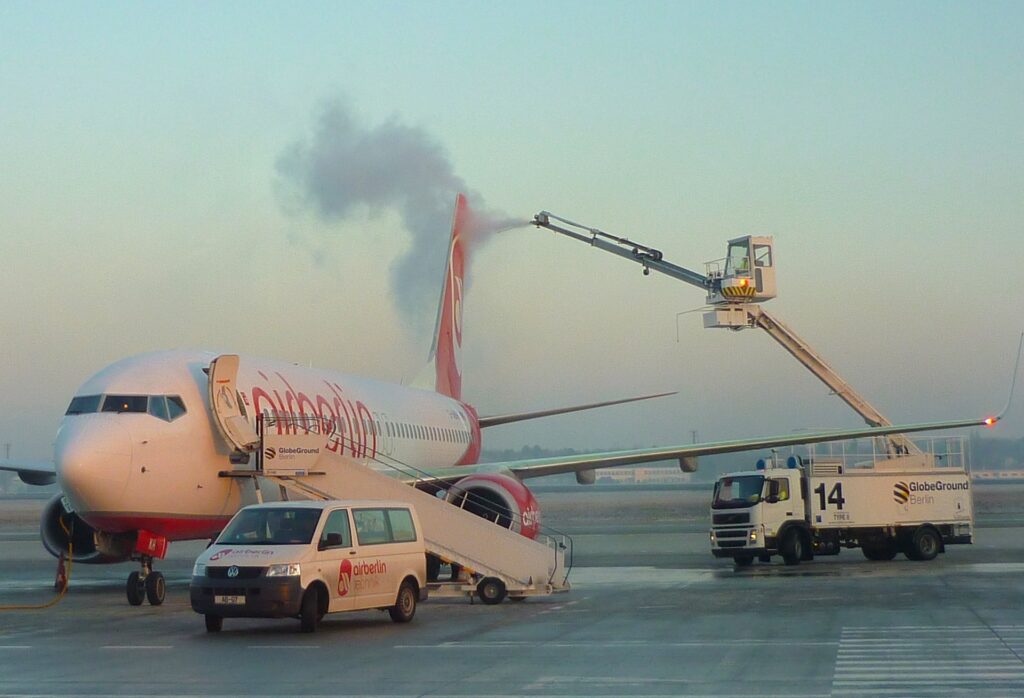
(644, 475)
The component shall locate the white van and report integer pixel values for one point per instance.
(305, 559)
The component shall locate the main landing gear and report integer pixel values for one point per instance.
(148, 584)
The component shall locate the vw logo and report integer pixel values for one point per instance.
(233, 571)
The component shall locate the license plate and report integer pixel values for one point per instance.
(229, 600)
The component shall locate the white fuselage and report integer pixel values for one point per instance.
(158, 471)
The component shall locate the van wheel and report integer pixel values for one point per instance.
(491, 590)
(214, 623)
(793, 547)
(309, 612)
(405, 605)
(925, 544)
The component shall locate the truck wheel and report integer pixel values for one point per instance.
(880, 552)
(214, 623)
(405, 605)
(793, 547)
(764, 558)
(309, 612)
(925, 544)
(491, 590)
(743, 561)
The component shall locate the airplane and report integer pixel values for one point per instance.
(139, 452)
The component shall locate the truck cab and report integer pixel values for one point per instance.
(760, 513)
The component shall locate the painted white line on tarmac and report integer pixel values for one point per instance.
(137, 647)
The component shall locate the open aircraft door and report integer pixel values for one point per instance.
(227, 410)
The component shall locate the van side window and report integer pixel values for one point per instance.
(337, 523)
(402, 529)
(371, 526)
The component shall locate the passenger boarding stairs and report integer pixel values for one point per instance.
(297, 456)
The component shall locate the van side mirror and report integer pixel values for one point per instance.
(333, 540)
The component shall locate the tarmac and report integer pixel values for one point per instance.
(651, 613)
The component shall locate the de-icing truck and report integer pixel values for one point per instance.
(800, 508)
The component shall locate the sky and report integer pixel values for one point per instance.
(150, 199)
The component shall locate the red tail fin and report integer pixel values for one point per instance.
(447, 349)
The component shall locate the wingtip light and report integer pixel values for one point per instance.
(990, 421)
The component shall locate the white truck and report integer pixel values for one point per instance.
(802, 508)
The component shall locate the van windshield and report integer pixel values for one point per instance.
(271, 526)
(737, 492)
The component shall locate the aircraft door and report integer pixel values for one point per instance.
(226, 407)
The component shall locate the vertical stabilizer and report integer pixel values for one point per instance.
(445, 355)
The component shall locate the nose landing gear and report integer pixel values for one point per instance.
(147, 584)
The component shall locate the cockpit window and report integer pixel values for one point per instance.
(175, 407)
(165, 407)
(84, 404)
(125, 403)
(158, 407)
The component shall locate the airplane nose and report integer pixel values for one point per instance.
(93, 459)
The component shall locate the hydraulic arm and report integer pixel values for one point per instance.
(746, 274)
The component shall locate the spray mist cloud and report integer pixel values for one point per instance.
(345, 166)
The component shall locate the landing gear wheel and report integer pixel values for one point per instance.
(156, 588)
(309, 612)
(924, 545)
(793, 547)
(743, 561)
(214, 623)
(491, 590)
(135, 589)
(405, 605)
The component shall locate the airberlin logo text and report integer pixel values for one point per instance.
(918, 492)
(360, 576)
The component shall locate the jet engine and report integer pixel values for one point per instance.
(60, 524)
(500, 498)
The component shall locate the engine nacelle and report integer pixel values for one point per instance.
(500, 498)
(59, 524)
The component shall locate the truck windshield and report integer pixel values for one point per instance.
(737, 492)
(271, 526)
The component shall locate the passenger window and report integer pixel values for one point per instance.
(783, 485)
(402, 530)
(175, 407)
(337, 523)
(762, 256)
(158, 407)
(371, 526)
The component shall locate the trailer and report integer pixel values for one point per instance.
(804, 507)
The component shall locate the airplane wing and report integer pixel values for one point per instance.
(541, 467)
(494, 421)
(32, 472)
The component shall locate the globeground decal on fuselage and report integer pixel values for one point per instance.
(911, 493)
